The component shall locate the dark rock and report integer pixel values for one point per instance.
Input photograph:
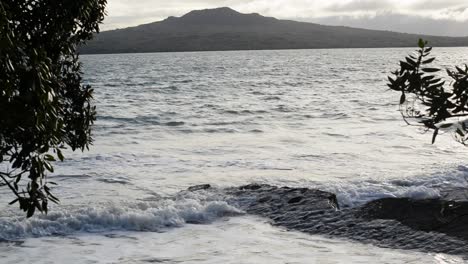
(434, 225)
(434, 215)
(455, 194)
(251, 187)
(273, 201)
(199, 187)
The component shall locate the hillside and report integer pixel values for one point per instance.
(227, 29)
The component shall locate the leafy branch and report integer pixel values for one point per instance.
(426, 100)
(44, 107)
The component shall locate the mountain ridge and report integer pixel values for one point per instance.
(226, 29)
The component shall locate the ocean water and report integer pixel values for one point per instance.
(167, 121)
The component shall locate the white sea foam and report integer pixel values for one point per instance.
(206, 206)
(144, 216)
(356, 193)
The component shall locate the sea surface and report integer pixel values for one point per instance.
(166, 121)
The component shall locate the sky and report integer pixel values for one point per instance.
(435, 17)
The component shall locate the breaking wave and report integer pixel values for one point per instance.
(143, 216)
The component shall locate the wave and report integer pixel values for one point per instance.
(205, 205)
(358, 192)
(244, 112)
(139, 120)
(144, 216)
(174, 123)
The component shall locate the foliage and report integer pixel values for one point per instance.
(425, 97)
(43, 106)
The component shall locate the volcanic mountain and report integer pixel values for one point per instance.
(227, 29)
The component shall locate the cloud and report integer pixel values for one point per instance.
(401, 23)
(360, 5)
(125, 13)
(437, 13)
(436, 4)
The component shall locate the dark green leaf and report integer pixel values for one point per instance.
(31, 210)
(43, 104)
(421, 43)
(60, 155)
(428, 61)
(430, 70)
(402, 98)
(436, 131)
(411, 62)
(49, 157)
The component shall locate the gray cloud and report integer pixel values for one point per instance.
(437, 4)
(125, 13)
(401, 23)
(360, 5)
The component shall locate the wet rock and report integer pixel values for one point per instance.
(455, 194)
(199, 187)
(434, 215)
(437, 226)
(271, 201)
(252, 187)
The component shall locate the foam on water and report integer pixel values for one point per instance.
(143, 216)
(356, 193)
(155, 214)
(246, 240)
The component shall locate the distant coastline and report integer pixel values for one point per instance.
(224, 29)
(239, 50)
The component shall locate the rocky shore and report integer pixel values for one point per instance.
(431, 225)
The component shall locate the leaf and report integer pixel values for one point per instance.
(430, 70)
(18, 179)
(411, 61)
(428, 78)
(460, 70)
(402, 98)
(44, 206)
(428, 61)
(421, 43)
(436, 86)
(60, 155)
(23, 204)
(436, 132)
(38, 206)
(31, 211)
(433, 81)
(49, 157)
(406, 66)
(48, 167)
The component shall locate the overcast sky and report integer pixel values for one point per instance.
(438, 17)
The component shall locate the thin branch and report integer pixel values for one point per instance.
(9, 185)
